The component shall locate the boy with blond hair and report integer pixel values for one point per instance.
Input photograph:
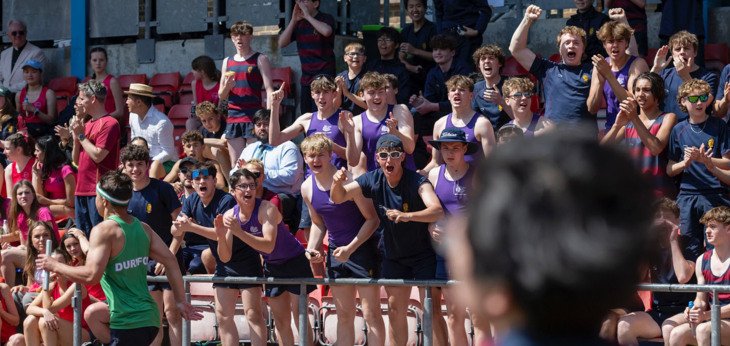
(691, 142)
(711, 269)
(683, 47)
(518, 92)
(349, 81)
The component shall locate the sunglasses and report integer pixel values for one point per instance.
(256, 175)
(393, 155)
(244, 187)
(354, 54)
(695, 98)
(526, 95)
(17, 33)
(200, 173)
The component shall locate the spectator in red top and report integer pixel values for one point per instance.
(19, 152)
(37, 103)
(95, 150)
(8, 314)
(114, 101)
(53, 178)
(205, 86)
(314, 33)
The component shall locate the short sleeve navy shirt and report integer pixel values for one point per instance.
(566, 90)
(404, 239)
(494, 112)
(154, 205)
(672, 82)
(712, 133)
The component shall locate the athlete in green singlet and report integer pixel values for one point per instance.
(119, 249)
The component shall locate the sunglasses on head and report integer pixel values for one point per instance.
(393, 155)
(256, 175)
(202, 173)
(695, 98)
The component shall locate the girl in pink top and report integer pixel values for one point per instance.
(19, 151)
(205, 86)
(114, 102)
(53, 178)
(24, 208)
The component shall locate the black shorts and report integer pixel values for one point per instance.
(363, 263)
(239, 130)
(133, 337)
(249, 268)
(297, 267)
(660, 315)
(159, 286)
(419, 267)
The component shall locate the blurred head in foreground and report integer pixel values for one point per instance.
(557, 229)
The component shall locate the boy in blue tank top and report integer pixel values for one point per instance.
(119, 250)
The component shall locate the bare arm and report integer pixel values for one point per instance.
(596, 92)
(50, 116)
(341, 192)
(432, 213)
(404, 126)
(518, 45)
(656, 144)
(116, 90)
(277, 136)
(485, 135)
(436, 158)
(265, 69)
(269, 217)
(100, 250)
(10, 313)
(721, 105)
(225, 237)
(285, 37)
(683, 268)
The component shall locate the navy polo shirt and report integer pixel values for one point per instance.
(724, 78)
(397, 68)
(672, 82)
(192, 238)
(404, 239)
(154, 205)
(435, 89)
(494, 112)
(204, 215)
(566, 90)
(420, 39)
(590, 21)
(696, 178)
(353, 85)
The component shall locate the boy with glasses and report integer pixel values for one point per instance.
(233, 257)
(518, 93)
(313, 31)
(389, 40)
(690, 143)
(348, 81)
(406, 203)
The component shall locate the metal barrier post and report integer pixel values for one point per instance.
(427, 318)
(186, 322)
(715, 318)
(303, 314)
(76, 304)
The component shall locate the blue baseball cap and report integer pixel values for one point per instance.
(454, 135)
(34, 64)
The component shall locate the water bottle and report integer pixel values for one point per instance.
(691, 305)
(5, 227)
(25, 112)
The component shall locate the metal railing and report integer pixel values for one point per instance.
(714, 290)
(303, 313)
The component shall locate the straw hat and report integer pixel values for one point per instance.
(140, 89)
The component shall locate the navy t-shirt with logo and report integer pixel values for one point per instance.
(154, 205)
(566, 90)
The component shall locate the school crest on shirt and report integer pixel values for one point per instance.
(585, 77)
(326, 129)
(11, 129)
(149, 208)
(383, 130)
(250, 68)
(405, 207)
(254, 229)
(591, 31)
(710, 143)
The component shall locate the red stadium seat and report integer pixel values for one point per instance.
(64, 86)
(186, 85)
(61, 104)
(555, 58)
(185, 98)
(179, 114)
(126, 79)
(177, 133)
(650, 54)
(716, 56)
(280, 75)
(166, 86)
(513, 68)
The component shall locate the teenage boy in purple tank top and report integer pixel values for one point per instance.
(711, 268)
(646, 133)
(314, 33)
(518, 93)
(695, 146)
(406, 204)
(452, 182)
(352, 251)
(362, 131)
(238, 88)
(477, 128)
(233, 258)
(613, 75)
(258, 223)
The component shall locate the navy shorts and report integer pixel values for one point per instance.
(85, 213)
(249, 268)
(442, 269)
(660, 315)
(297, 267)
(239, 130)
(159, 286)
(191, 260)
(363, 263)
(419, 267)
(133, 337)
(691, 208)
